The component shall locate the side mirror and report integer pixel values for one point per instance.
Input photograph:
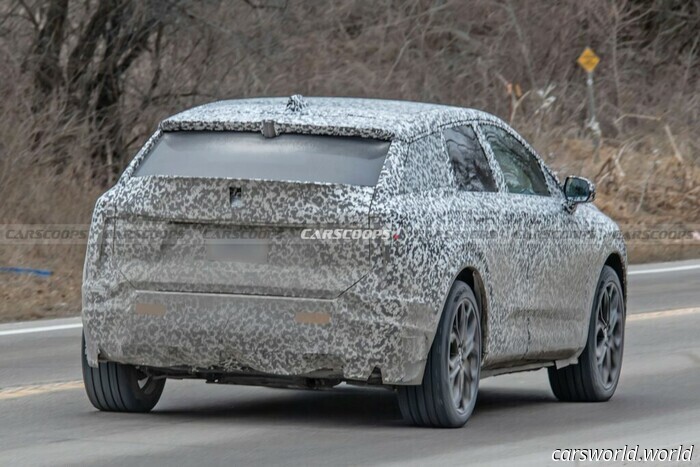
(578, 190)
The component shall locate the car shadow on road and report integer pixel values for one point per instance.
(340, 406)
(349, 406)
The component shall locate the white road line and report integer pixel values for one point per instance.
(671, 269)
(662, 314)
(58, 327)
(37, 389)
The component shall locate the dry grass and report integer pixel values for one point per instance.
(44, 179)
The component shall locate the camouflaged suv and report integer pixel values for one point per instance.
(306, 242)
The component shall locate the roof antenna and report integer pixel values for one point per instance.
(296, 103)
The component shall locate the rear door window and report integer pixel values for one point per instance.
(468, 160)
(287, 157)
(522, 172)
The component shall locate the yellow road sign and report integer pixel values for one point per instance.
(588, 59)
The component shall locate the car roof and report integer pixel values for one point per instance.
(378, 118)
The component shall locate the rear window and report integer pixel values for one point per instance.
(287, 157)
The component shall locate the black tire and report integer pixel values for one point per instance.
(114, 387)
(587, 381)
(432, 403)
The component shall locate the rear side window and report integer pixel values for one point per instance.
(287, 157)
(468, 160)
(521, 170)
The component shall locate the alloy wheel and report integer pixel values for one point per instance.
(608, 335)
(463, 356)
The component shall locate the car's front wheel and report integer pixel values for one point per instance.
(447, 395)
(595, 377)
(115, 387)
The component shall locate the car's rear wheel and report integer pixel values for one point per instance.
(115, 387)
(595, 377)
(447, 395)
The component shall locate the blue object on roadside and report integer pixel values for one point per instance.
(34, 272)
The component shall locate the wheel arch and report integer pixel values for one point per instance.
(473, 278)
(617, 263)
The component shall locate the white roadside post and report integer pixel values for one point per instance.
(588, 60)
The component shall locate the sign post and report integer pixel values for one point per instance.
(588, 60)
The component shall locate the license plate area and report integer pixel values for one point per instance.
(238, 251)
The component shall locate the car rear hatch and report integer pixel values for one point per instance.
(226, 212)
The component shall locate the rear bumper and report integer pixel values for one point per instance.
(347, 337)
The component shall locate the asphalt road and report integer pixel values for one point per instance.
(46, 419)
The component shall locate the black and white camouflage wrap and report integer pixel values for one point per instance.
(537, 262)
